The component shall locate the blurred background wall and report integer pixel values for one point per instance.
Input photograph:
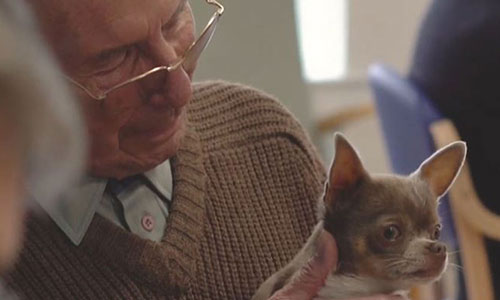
(258, 43)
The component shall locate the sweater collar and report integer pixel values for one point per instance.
(171, 264)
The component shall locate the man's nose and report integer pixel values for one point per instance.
(437, 248)
(172, 88)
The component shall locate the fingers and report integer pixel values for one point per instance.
(381, 297)
(309, 280)
(376, 297)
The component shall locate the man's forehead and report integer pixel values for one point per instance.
(96, 25)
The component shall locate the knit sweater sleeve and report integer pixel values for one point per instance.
(264, 180)
(231, 115)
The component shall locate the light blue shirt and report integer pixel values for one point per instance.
(141, 207)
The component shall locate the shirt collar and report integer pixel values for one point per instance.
(161, 178)
(77, 207)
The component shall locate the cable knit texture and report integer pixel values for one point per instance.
(246, 183)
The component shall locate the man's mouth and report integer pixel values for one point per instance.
(153, 123)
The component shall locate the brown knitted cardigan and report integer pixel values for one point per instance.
(246, 182)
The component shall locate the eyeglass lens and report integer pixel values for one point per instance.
(190, 59)
(203, 40)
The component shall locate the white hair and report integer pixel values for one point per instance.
(34, 93)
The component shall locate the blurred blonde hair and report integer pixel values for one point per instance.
(34, 93)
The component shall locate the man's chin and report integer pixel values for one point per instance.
(142, 156)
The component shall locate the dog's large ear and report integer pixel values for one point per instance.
(346, 169)
(441, 169)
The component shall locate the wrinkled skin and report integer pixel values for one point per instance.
(103, 42)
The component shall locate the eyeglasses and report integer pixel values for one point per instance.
(187, 61)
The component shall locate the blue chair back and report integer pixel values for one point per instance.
(406, 115)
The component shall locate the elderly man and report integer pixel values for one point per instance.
(194, 192)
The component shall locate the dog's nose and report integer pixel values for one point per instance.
(437, 248)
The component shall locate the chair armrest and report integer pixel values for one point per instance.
(346, 115)
(463, 193)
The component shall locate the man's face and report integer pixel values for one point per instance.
(100, 43)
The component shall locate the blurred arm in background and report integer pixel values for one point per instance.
(42, 144)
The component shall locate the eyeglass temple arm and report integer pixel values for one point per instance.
(220, 11)
(220, 7)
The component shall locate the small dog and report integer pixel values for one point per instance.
(386, 226)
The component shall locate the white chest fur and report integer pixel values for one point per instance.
(343, 286)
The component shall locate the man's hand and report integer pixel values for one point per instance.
(312, 276)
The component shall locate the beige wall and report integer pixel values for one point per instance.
(382, 30)
(256, 44)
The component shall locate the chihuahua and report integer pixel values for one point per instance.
(386, 226)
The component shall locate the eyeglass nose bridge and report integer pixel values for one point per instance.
(155, 70)
(104, 94)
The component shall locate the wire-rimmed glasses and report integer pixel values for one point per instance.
(187, 61)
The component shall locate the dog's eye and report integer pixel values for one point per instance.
(391, 233)
(437, 232)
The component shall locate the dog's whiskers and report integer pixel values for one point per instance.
(397, 264)
(459, 267)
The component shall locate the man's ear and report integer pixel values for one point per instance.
(441, 169)
(346, 169)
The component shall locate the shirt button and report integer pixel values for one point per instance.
(148, 222)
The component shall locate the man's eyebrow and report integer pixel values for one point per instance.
(179, 9)
(94, 54)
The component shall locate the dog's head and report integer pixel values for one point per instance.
(387, 226)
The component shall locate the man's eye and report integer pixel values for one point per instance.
(174, 18)
(391, 233)
(111, 60)
(176, 21)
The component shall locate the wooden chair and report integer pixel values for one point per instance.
(347, 115)
(413, 129)
(473, 222)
